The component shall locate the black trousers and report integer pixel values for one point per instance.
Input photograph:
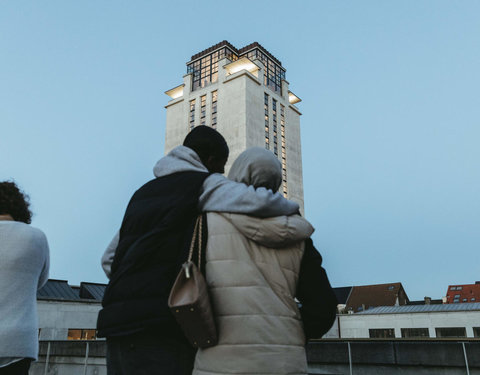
(17, 368)
(149, 354)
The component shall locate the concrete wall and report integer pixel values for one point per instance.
(70, 358)
(367, 357)
(178, 116)
(357, 325)
(402, 357)
(56, 317)
(232, 113)
(294, 155)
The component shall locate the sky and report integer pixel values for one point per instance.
(390, 125)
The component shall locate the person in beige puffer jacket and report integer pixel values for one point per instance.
(252, 271)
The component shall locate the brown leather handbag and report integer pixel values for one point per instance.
(189, 300)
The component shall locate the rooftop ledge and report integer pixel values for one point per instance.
(176, 92)
(293, 99)
(242, 64)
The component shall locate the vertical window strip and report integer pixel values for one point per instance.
(284, 151)
(273, 73)
(203, 109)
(267, 123)
(274, 124)
(192, 114)
(214, 109)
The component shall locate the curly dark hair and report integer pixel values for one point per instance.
(14, 202)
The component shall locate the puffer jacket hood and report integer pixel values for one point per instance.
(180, 159)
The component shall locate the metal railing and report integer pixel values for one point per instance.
(353, 352)
(460, 341)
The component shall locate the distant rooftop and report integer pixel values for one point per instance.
(463, 293)
(342, 294)
(421, 308)
(365, 297)
(59, 289)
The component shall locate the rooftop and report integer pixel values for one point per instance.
(238, 52)
(367, 296)
(60, 289)
(421, 308)
(342, 294)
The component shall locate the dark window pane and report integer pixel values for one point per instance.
(382, 333)
(451, 332)
(476, 331)
(415, 332)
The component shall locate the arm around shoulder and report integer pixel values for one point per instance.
(223, 195)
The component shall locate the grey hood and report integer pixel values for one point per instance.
(180, 159)
(258, 167)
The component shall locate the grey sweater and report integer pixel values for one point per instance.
(219, 194)
(24, 265)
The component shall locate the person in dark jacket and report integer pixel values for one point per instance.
(144, 259)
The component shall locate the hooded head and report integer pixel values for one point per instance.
(210, 147)
(258, 167)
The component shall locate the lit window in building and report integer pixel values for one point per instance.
(274, 125)
(82, 334)
(451, 332)
(267, 123)
(415, 332)
(382, 333)
(214, 109)
(273, 72)
(203, 109)
(284, 151)
(192, 114)
(205, 69)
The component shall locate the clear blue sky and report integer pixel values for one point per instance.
(390, 125)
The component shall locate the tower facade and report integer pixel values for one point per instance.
(244, 95)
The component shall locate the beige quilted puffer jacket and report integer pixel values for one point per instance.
(252, 272)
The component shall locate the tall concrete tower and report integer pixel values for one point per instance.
(244, 95)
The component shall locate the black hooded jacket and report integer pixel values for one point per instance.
(154, 239)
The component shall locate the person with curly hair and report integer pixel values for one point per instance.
(24, 269)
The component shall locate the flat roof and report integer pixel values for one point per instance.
(237, 51)
(448, 307)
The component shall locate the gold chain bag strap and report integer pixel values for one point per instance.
(189, 300)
